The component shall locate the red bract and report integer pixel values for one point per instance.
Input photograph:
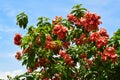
(66, 44)
(66, 57)
(101, 41)
(71, 63)
(70, 17)
(43, 61)
(80, 40)
(100, 38)
(94, 36)
(91, 21)
(51, 45)
(18, 55)
(84, 55)
(62, 53)
(17, 39)
(49, 38)
(103, 32)
(57, 19)
(109, 53)
(60, 31)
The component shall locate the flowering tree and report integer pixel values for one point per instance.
(68, 49)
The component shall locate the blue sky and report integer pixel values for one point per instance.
(108, 9)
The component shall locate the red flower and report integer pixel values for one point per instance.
(80, 40)
(104, 58)
(91, 21)
(62, 53)
(109, 53)
(84, 55)
(70, 17)
(103, 32)
(60, 31)
(43, 61)
(71, 62)
(51, 45)
(100, 38)
(94, 36)
(49, 38)
(101, 41)
(17, 39)
(66, 44)
(18, 55)
(66, 57)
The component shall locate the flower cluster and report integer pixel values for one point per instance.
(50, 44)
(17, 39)
(18, 55)
(43, 61)
(100, 37)
(89, 21)
(69, 49)
(81, 39)
(109, 54)
(57, 20)
(66, 44)
(60, 31)
(66, 57)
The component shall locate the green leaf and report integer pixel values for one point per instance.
(22, 20)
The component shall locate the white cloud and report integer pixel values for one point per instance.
(3, 75)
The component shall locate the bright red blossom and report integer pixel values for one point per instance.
(17, 39)
(60, 31)
(91, 21)
(62, 53)
(66, 57)
(66, 44)
(49, 38)
(109, 53)
(80, 40)
(101, 41)
(50, 44)
(100, 38)
(43, 61)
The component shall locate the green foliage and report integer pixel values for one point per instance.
(78, 11)
(74, 56)
(22, 20)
